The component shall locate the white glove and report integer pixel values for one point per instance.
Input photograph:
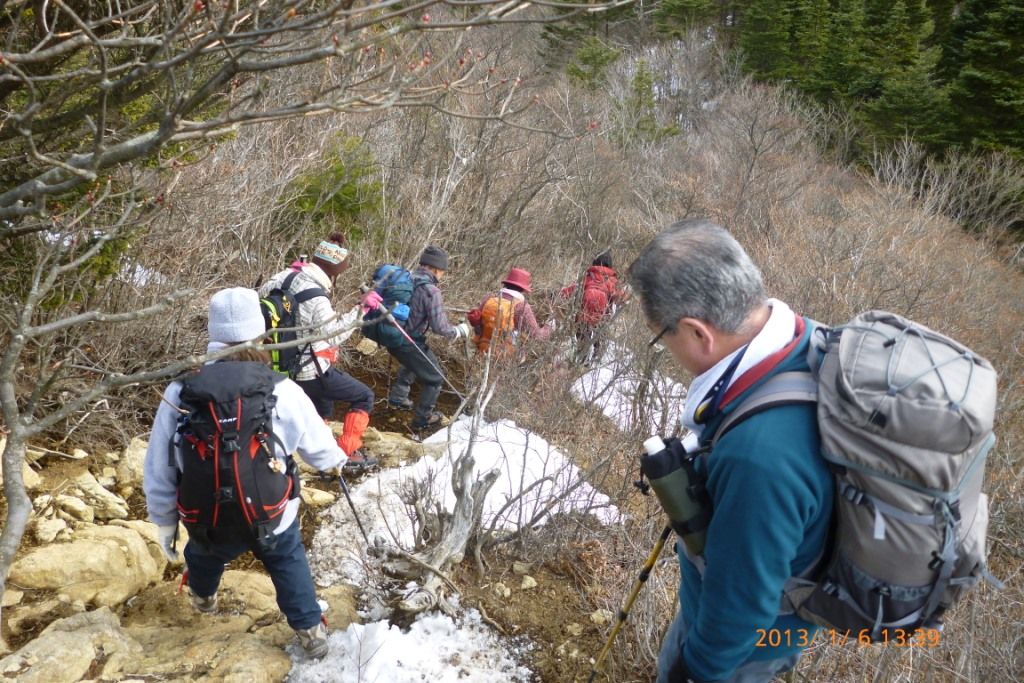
(462, 330)
(166, 535)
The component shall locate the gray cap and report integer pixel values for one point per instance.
(435, 257)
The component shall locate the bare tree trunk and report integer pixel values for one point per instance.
(470, 495)
(18, 507)
(465, 521)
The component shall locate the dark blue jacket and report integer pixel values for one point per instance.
(772, 500)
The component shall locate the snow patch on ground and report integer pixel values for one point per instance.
(614, 385)
(435, 648)
(525, 462)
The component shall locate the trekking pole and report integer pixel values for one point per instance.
(391, 319)
(645, 573)
(344, 489)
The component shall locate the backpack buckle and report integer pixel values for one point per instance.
(230, 443)
(853, 494)
(225, 494)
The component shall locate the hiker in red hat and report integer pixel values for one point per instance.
(504, 317)
(600, 296)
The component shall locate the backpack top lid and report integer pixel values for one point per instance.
(887, 380)
(228, 380)
(393, 283)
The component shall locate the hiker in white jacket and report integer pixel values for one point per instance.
(235, 317)
(317, 376)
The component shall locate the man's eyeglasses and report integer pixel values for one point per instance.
(657, 337)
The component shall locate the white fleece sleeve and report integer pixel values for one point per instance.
(160, 477)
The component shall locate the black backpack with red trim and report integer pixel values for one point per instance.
(231, 482)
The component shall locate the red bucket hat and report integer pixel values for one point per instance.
(519, 278)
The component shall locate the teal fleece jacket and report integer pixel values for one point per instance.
(772, 504)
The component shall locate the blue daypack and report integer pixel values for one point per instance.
(395, 285)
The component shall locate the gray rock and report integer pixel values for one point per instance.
(129, 467)
(105, 504)
(103, 565)
(75, 508)
(69, 648)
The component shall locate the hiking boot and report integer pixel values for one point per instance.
(358, 460)
(404, 404)
(207, 605)
(313, 640)
(434, 420)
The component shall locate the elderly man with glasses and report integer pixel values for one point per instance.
(770, 491)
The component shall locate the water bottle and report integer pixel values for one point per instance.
(680, 490)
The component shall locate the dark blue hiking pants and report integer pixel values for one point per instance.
(286, 564)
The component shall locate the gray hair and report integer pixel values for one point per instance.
(696, 269)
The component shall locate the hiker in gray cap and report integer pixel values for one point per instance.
(230, 505)
(426, 314)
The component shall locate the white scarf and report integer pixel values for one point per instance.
(518, 296)
(775, 335)
(317, 274)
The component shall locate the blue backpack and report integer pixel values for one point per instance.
(395, 285)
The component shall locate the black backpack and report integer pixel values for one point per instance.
(280, 313)
(231, 483)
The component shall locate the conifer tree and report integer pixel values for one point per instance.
(968, 22)
(912, 103)
(941, 14)
(988, 92)
(764, 37)
(809, 32)
(841, 72)
(676, 17)
(893, 46)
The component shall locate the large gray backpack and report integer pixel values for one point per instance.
(905, 416)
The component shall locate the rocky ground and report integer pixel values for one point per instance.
(91, 596)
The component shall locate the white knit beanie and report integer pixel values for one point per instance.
(235, 316)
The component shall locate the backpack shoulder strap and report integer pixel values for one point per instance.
(307, 294)
(785, 388)
(304, 295)
(286, 284)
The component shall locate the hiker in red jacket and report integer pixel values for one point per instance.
(504, 317)
(600, 296)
